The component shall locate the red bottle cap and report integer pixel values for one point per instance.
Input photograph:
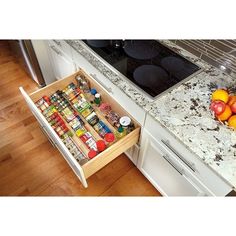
(101, 146)
(109, 137)
(47, 99)
(92, 154)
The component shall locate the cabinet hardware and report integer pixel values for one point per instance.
(109, 89)
(55, 50)
(173, 165)
(190, 165)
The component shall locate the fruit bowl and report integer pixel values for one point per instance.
(223, 105)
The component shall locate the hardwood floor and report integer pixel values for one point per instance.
(30, 166)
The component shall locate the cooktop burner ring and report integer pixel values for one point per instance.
(150, 76)
(98, 43)
(172, 64)
(140, 50)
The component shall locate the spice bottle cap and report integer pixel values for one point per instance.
(125, 121)
(101, 146)
(109, 137)
(97, 95)
(120, 129)
(92, 154)
(93, 91)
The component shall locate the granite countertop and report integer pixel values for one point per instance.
(184, 111)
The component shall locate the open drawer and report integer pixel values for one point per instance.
(92, 166)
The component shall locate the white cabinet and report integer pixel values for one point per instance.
(165, 172)
(62, 63)
(172, 168)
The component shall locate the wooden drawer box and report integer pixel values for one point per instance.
(103, 158)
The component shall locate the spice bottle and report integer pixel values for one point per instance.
(85, 86)
(120, 133)
(97, 99)
(109, 138)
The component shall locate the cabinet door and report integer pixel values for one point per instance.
(132, 153)
(164, 172)
(63, 65)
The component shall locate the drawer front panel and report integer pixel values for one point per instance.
(165, 173)
(65, 48)
(56, 140)
(111, 153)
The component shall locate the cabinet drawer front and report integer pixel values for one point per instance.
(205, 174)
(54, 137)
(104, 157)
(111, 153)
(64, 47)
(163, 172)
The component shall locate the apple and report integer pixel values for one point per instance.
(218, 107)
(233, 107)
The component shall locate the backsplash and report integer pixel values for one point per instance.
(219, 53)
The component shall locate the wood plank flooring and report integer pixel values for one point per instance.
(30, 166)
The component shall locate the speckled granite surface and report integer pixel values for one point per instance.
(184, 111)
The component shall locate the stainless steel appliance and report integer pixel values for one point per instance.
(31, 56)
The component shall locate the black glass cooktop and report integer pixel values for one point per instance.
(147, 63)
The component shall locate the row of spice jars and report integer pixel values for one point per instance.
(52, 116)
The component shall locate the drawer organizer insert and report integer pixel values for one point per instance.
(88, 125)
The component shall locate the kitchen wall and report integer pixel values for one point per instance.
(219, 53)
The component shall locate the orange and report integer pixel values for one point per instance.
(226, 114)
(231, 100)
(232, 121)
(220, 94)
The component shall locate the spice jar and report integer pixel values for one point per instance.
(97, 99)
(125, 121)
(109, 138)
